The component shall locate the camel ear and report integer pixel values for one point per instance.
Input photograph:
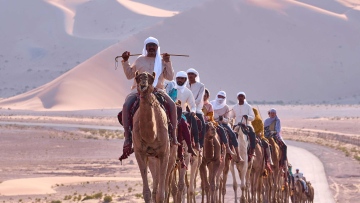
(151, 78)
(137, 76)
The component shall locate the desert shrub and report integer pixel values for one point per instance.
(98, 195)
(107, 199)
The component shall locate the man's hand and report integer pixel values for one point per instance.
(221, 118)
(193, 114)
(246, 116)
(125, 56)
(166, 57)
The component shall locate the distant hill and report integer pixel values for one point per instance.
(277, 51)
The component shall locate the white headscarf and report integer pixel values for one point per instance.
(219, 103)
(243, 93)
(192, 70)
(181, 74)
(158, 62)
(272, 110)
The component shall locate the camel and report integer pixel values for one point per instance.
(150, 137)
(242, 167)
(195, 162)
(211, 161)
(285, 187)
(272, 189)
(182, 173)
(299, 193)
(169, 175)
(219, 179)
(310, 197)
(180, 186)
(257, 167)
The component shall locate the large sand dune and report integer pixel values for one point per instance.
(274, 50)
(42, 39)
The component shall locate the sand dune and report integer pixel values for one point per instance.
(280, 50)
(36, 49)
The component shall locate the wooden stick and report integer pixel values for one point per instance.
(116, 58)
(162, 54)
(184, 55)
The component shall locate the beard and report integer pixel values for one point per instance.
(180, 83)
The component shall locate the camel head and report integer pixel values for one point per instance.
(144, 81)
(210, 130)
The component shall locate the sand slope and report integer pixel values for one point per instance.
(42, 39)
(275, 50)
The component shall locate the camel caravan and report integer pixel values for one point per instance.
(177, 134)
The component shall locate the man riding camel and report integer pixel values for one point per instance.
(186, 98)
(222, 116)
(183, 127)
(258, 126)
(198, 90)
(244, 114)
(150, 61)
(272, 127)
(209, 117)
(301, 177)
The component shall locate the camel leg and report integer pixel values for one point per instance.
(211, 171)
(196, 173)
(162, 167)
(265, 187)
(242, 169)
(248, 185)
(193, 171)
(181, 182)
(204, 180)
(142, 162)
(185, 188)
(252, 186)
(235, 185)
(171, 165)
(152, 164)
(260, 188)
(174, 190)
(278, 187)
(225, 174)
(215, 168)
(257, 187)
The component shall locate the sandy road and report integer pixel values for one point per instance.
(308, 164)
(313, 170)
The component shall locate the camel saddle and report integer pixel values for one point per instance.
(161, 99)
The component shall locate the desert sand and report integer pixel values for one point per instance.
(52, 162)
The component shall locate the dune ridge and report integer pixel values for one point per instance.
(284, 50)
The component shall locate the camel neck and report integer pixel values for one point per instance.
(147, 118)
